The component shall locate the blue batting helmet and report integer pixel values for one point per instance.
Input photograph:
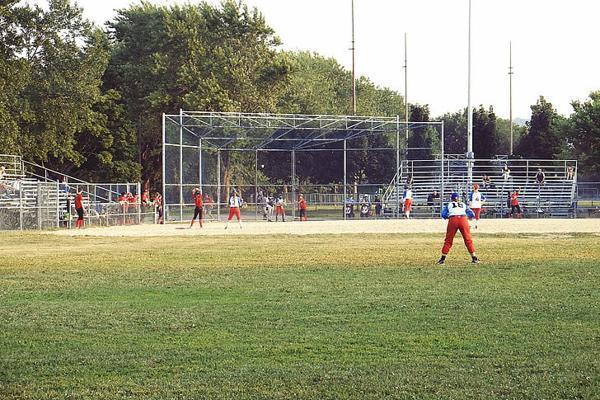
(454, 196)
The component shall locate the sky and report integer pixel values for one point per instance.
(554, 45)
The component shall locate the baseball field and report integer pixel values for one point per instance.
(329, 315)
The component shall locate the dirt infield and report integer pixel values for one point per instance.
(343, 227)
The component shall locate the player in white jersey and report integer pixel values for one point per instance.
(407, 201)
(476, 200)
(235, 203)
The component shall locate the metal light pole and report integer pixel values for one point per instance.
(510, 75)
(470, 154)
(353, 48)
(406, 116)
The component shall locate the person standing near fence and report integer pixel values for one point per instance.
(458, 215)
(79, 209)
(302, 207)
(158, 203)
(235, 203)
(199, 207)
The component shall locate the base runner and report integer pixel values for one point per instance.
(458, 214)
(235, 202)
(476, 200)
(199, 209)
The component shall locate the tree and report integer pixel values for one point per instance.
(197, 57)
(423, 141)
(584, 135)
(58, 59)
(455, 132)
(544, 138)
(485, 140)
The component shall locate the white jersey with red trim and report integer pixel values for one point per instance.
(477, 200)
(235, 202)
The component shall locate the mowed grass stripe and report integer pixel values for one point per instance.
(328, 316)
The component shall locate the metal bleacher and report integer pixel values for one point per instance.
(556, 197)
(34, 197)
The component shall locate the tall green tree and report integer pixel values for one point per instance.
(485, 139)
(545, 136)
(197, 57)
(423, 141)
(56, 60)
(455, 132)
(584, 135)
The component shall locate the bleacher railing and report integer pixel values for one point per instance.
(556, 196)
(36, 197)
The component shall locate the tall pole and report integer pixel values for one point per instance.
(510, 75)
(180, 165)
(219, 184)
(397, 213)
(345, 184)
(353, 66)
(164, 175)
(470, 155)
(293, 184)
(406, 116)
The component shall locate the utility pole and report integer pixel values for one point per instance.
(353, 48)
(510, 76)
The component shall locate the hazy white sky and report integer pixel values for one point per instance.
(555, 45)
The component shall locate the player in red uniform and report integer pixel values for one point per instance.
(515, 207)
(458, 214)
(199, 209)
(302, 208)
(79, 208)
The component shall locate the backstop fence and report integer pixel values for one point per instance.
(270, 155)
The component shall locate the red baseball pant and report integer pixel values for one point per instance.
(477, 212)
(234, 211)
(458, 224)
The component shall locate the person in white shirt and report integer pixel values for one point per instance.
(476, 200)
(235, 203)
(407, 201)
(280, 208)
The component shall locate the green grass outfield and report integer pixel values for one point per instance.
(328, 316)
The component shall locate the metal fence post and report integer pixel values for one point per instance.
(57, 205)
(293, 157)
(20, 205)
(218, 184)
(345, 183)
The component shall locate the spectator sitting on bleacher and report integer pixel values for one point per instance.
(432, 198)
(486, 182)
(540, 177)
(2, 172)
(570, 172)
(409, 180)
(64, 185)
(506, 173)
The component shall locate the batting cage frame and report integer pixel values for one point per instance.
(198, 148)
